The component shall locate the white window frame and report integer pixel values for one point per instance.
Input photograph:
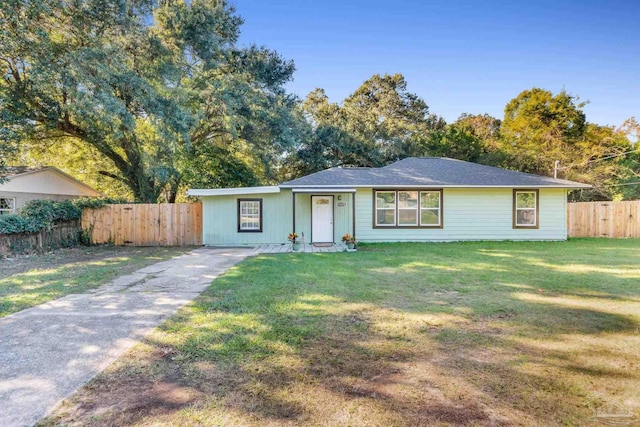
(416, 209)
(438, 209)
(8, 210)
(395, 208)
(247, 203)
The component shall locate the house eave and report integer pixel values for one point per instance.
(320, 189)
(303, 188)
(232, 191)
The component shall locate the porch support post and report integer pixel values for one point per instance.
(353, 214)
(294, 210)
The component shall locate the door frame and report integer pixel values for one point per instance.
(333, 217)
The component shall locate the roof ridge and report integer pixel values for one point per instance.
(20, 169)
(433, 172)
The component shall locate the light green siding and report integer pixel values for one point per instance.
(471, 214)
(220, 219)
(341, 215)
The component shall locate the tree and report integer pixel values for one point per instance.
(539, 128)
(455, 142)
(5, 151)
(76, 158)
(473, 138)
(146, 85)
(325, 140)
(604, 158)
(630, 190)
(388, 119)
(483, 126)
(379, 123)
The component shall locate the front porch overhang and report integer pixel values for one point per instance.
(322, 190)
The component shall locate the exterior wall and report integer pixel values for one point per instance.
(22, 198)
(220, 219)
(47, 181)
(342, 215)
(46, 184)
(471, 214)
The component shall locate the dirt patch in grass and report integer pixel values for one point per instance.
(136, 397)
(66, 256)
(364, 341)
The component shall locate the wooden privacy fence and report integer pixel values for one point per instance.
(604, 219)
(163, 224)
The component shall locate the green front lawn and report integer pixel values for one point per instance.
(28, 281)
(396, 334)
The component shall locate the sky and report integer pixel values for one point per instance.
(459, 56)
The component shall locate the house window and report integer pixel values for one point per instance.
(525, 208)
(250, 215)
(7, 205)
(385, 208)
(408, 208)
(430, 208)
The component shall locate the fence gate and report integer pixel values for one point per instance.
(604, 219)
(162, 224)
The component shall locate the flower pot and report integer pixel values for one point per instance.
(296, 247)
(351, 245)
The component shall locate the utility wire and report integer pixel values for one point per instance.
(597, 160)
(618, 185)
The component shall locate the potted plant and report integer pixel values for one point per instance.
(295, 243)
(350, 241)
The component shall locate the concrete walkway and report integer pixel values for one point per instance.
(49, 351)
(308, 248)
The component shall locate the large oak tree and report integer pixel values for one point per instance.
(148, 85)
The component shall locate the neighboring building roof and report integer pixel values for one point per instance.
(28, 179)
(10, 171)
(428, 172)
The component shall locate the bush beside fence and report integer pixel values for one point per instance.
(61, 235)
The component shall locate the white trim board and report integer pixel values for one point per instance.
(323, 190)
(232, 191)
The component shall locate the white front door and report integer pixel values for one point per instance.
(322, 219)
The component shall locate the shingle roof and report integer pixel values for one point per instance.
(428, 172)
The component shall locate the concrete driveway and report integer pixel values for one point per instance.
(49, 351)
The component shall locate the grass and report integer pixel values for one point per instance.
(28, 281)
(505, 333)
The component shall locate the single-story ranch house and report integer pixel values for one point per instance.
(35, 183)
(414, 199)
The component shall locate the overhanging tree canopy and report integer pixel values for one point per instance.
(146, 84)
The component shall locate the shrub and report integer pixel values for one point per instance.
(38, 215)
(14, 223)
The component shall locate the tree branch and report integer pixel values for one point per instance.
(114, 176)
